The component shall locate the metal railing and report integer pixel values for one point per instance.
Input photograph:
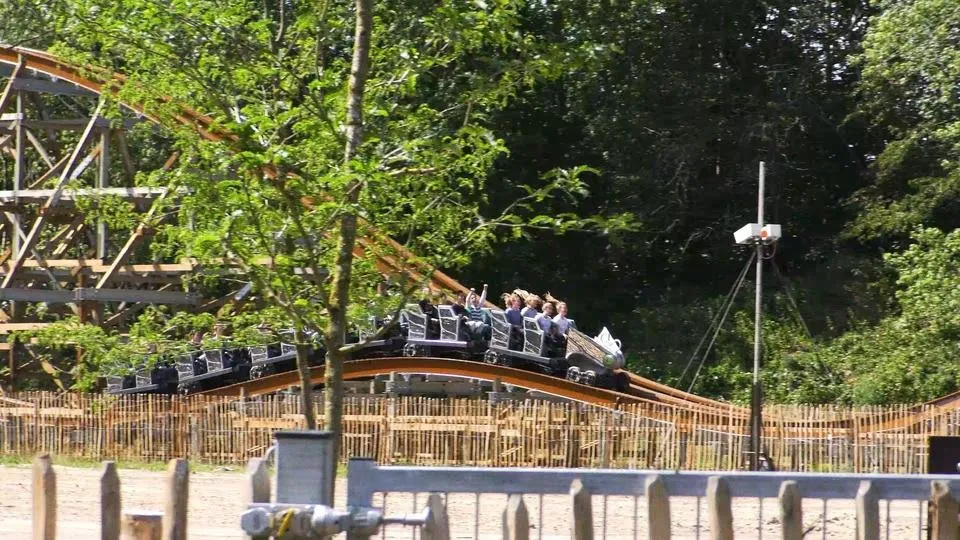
(831, 505)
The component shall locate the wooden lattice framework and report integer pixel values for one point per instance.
(56, 146)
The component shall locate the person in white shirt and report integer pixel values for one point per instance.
(561, 320)
(545, 319)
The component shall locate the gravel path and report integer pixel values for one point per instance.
(215, 507)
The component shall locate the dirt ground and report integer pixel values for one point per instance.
(215, 507)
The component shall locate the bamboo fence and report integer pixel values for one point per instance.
(452, 431)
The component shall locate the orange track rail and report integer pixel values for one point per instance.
(359, 369)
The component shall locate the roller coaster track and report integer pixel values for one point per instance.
(646, 392)
(359, 369)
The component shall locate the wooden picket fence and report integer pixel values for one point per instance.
(461, 431)
(132, 524)
(172, 522)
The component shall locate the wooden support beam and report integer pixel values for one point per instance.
(48, 86)
(38, 224)
(39, 147)
(52, 143)
(86, 294)
(103, 181)
(74, 229)
(40, 195)
(129, 310)
(138, 234)
(51, 172)
(73, 124)
(19, 171)
(8, 90)
(129, 169)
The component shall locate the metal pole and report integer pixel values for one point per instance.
(756, 392)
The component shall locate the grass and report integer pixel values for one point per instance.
(90, 463)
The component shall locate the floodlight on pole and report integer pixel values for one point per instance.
(757, 234)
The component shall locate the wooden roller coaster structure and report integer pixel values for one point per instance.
(49, 255)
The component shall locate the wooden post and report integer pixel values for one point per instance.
(175, 513)
(142, 525)
(791, 512)
(604, 462)
(582, 525)
(516, 520)
(943, 510)
(44, 499)
(719, 512)
(109, 502)
(868, 512)
(12, 362)
(438, 527)
(195, 438)
(658, 508)
(257, 486)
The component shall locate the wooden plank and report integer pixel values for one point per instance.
(109, 502)
(658, 508)
(943, 512)
(868, 512)
(438, 526)
(791, 512)
(581, 528)
(175, 512)
(719, 512)
(142, 525)
(44, 499)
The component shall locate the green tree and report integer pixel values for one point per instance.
(336, 125)
(911, 64)
(674, 103)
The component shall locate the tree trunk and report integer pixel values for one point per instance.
(340, 297)
(306, 387)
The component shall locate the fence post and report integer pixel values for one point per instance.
(109, 502)
(658, 508)
(44, 499)
(175, 512)
(142, 525)
(582, 525)
(791, 511)
(944, 508)
(516, 520)
(438, 527)
(719, 512)
(257, 486)
(868, 512)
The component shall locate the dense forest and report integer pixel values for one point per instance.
(667, 107)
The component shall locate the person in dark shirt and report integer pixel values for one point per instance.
(512, 313)
(433, 318)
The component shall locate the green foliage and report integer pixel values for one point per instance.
(911, 64)
(602, 151)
